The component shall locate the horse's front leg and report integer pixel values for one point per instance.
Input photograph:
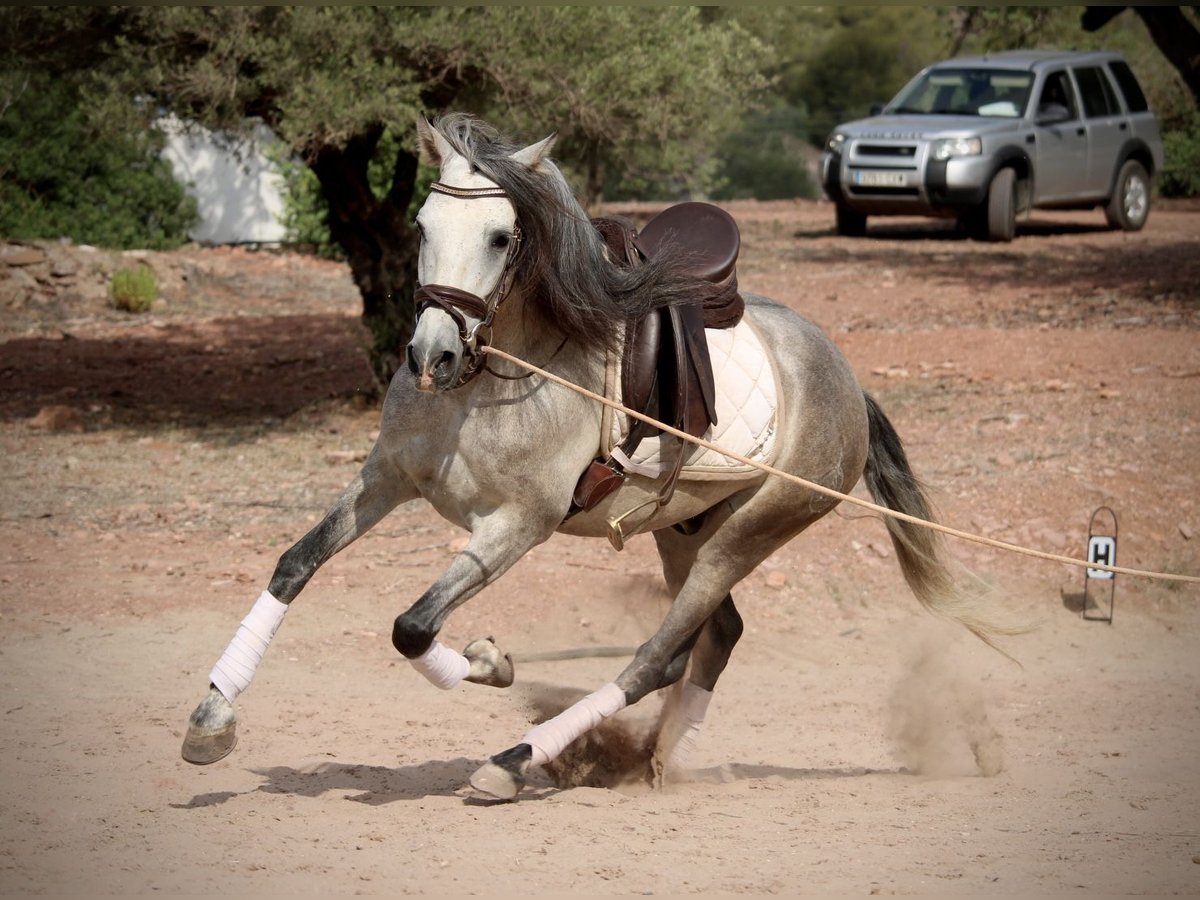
(212, 728)
(497, 541)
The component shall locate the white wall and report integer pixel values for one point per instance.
(238, 192)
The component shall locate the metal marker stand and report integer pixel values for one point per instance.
(1102, 548)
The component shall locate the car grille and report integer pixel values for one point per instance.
(887, 150)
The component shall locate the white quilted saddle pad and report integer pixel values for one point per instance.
(747, 414)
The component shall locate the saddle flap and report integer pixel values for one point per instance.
(695, 398)
(639, 363)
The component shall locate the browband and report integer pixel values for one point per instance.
(467, 193)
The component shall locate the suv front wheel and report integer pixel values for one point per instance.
(1129, 206)
(1002, 206)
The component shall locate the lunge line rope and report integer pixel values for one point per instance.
(838, 495)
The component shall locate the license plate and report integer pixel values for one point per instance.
(880, 179)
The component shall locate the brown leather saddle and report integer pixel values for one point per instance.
(666, 372)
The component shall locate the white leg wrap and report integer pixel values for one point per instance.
(693, 707)
(442, 666)
(234, 670)
(550, 738)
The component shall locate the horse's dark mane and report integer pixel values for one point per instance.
(561, 265)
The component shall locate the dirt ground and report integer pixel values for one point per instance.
(157, 465)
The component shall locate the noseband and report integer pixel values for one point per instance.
(458, 304)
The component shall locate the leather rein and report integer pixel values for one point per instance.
(459, 304)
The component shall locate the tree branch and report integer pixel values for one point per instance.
(1172, 32)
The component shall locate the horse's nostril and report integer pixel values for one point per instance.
(445, 361)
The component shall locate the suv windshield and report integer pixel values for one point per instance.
(966, 92)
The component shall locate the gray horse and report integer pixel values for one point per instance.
(509, 258)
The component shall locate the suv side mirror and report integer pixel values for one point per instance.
(876, 108)
(1052, 114)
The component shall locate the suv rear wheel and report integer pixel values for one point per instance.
(850, 223)
(1002, 206)
(1129, 206)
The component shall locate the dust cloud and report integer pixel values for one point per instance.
(938, 718)
(617, 753)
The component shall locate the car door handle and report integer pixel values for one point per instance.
(1124, 126)
(1081, 131)
(1031, 139)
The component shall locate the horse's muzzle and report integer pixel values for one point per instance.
(434, 370)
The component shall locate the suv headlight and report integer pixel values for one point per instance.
(948, 148)
(835, 142)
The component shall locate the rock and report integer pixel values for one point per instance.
(336, 457)
(1186, 530)
(16, 255)
(64, 267)
(777, 579)
(58, 418)
(16, 286)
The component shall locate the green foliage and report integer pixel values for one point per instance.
(305, 214)
(766, 158)
(134, 290)
(60, 176)
(641, 97)
(864, 62)
(647, 94)
(638, 97)
(989, 29)
(1180, 176)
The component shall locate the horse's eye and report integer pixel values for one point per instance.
(501, 241)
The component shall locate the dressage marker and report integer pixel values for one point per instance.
(1101, 550)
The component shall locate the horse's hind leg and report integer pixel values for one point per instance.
(375, 492)
(687, 703)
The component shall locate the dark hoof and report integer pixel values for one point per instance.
(503, 776)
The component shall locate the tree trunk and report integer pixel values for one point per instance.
(378, 242)
(596, 173)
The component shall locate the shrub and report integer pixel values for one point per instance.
(766, 158)
(61, 175)
(134, 290)
(1180, 176)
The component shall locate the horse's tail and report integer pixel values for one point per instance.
(892, 483)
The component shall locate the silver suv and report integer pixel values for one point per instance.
(988, 138)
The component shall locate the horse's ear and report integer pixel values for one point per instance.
(535, 154)
(433, 147)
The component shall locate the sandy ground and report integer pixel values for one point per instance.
(156, 466)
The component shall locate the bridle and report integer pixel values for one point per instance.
(458, 304)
